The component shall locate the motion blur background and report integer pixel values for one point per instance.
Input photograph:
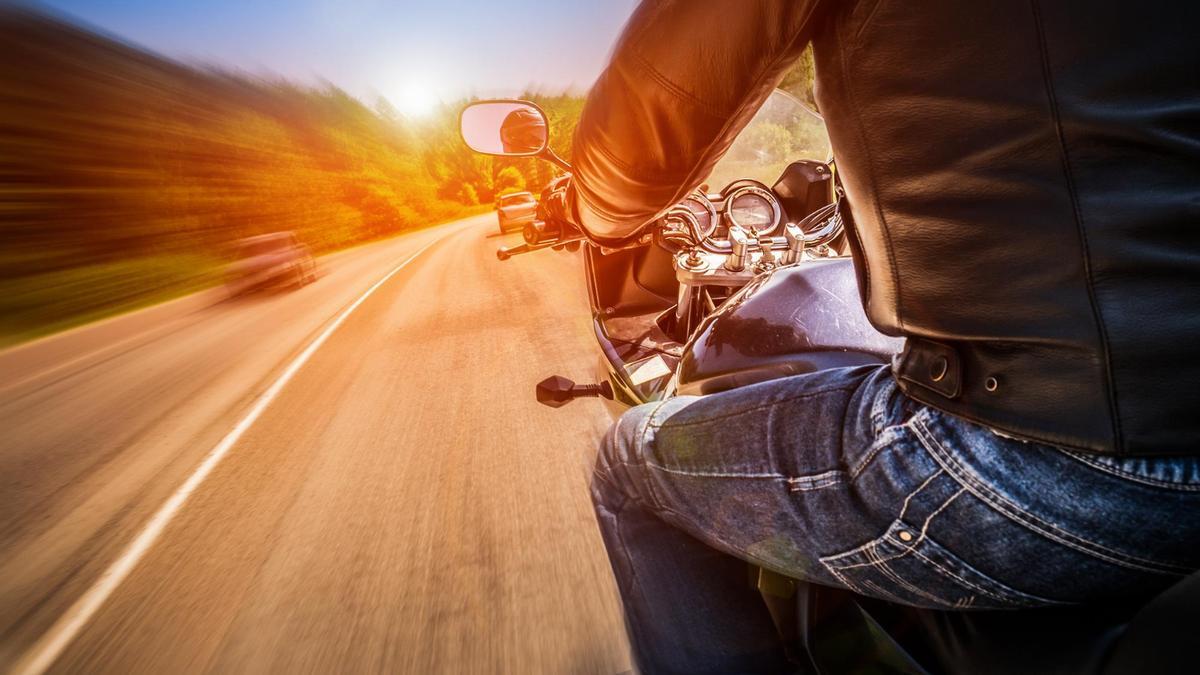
(401, 503)
(128, 171)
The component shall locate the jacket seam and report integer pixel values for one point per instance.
(676, 90)
(866, 22)
(847, 83)
(1097, 314)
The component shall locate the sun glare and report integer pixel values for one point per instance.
(415, 99)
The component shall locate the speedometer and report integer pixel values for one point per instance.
(705, 212)
(755, 209)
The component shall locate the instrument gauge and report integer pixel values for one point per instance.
(754, 209)
(704, 211)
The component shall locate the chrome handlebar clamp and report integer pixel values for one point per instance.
(795, 244)
(740, 254)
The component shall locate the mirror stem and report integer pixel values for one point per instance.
(552, 157)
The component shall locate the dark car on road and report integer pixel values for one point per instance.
(514, 210)
(269, 260)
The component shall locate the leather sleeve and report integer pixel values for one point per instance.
(685, 77)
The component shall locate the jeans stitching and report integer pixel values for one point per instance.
(908, 499)
(884, 440)
(845, 582)
(1154, 482)
(829, 478)
(863, 549)
(717, 474)
(640, 448)
(753, 408)
(905, 549)
(891, 574)
(880, 446)
(879, 562)
(882, 593)
(998, 594)
(1012, 511)
(878, 409)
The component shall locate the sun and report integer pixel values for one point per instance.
(415, 99)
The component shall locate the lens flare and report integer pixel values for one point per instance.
(414, 99)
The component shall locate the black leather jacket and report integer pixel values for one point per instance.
(1024, 181)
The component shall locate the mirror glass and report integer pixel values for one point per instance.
(510, 128)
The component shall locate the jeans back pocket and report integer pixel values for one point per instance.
(907, 566)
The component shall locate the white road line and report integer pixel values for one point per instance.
(48, 648)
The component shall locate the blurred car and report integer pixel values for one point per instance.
(276, 259)
(514, 210)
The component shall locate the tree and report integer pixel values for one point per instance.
(798, 81)
(509, 180)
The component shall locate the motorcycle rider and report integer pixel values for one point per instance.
(1022, 181)
(522, 131)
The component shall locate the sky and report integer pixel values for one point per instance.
(413, 53)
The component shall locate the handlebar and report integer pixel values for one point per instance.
(506, 252)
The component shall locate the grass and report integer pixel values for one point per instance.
(40, 304)
(37, 305)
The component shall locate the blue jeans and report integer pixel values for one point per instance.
(838, 478)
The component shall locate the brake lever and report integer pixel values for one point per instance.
(506, 252)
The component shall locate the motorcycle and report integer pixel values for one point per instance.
(756, 281)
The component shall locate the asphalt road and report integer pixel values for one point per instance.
(401, 504)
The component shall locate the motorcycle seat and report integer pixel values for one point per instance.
(1152, 637)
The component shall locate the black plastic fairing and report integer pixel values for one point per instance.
(628, 290)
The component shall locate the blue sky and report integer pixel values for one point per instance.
(405, 50)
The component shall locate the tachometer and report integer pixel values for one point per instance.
(754, 208)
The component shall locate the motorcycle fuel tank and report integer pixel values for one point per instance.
(790, 321)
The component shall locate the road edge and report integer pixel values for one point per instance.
(39, 657)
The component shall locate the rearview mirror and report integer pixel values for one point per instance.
(508, 128)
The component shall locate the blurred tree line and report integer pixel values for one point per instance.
(125, 177)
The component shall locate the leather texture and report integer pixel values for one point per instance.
(1023, 179)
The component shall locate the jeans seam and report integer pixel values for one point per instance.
(995, 595)
(1153, 482)
(717, 474)
(795, 483)
(641, 447)
(879, 562)
(906, 548)
(884, 593)
(817, 481)
(1030, 521)
(908, 499)
(873, 552)
(840, 577)
(879, 408)
(866, 461)
(753, 408)
(884, 440)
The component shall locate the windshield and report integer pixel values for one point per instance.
(509, 200)
(782, 131)
(261, 246)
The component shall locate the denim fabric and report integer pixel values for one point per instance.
(838, 478)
